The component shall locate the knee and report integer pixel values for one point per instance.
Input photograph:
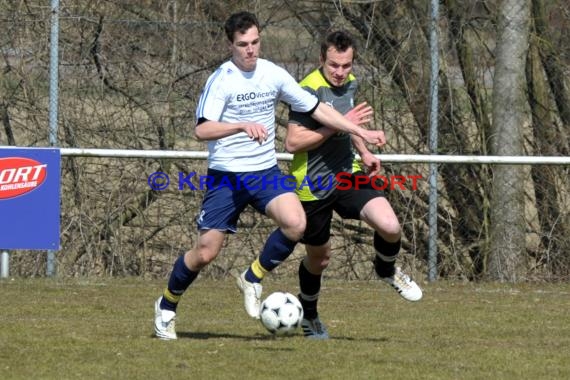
(199, 257)
(388, 228)
(391, 230)
(318, 258)
(379, 215)
(321, 263)
(294, 228)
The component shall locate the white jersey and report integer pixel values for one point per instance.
(231, 95)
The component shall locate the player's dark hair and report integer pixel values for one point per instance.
(240, 22)
(341, 40)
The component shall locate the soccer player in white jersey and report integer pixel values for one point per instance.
(236, 116)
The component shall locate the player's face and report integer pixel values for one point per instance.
(245, 49)
(337, 65)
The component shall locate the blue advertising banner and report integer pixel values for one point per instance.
(29, 198)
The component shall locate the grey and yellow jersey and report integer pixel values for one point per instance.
(315, 170)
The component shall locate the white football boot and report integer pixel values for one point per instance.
(164, 322)
(251, 295)
(404, 285)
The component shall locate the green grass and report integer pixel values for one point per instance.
(102, 329)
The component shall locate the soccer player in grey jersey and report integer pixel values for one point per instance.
(321, 152)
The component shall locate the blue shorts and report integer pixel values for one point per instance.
(229, 193)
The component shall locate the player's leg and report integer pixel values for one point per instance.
(184, 272)
(287, 212)
(283, 206)
(217, 216)
(318, 248)
(378, 213)
(310, 278)
(371, 206)
(187, 266)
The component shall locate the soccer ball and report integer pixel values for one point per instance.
(281, 313)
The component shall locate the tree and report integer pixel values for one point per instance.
(509, 89)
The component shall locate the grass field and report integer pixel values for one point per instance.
(102, 329)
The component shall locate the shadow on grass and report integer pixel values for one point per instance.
(367, 339)
(265, 337)
(210, 335)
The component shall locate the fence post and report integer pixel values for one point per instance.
(434, 114)
(53, 101)
(5, 265)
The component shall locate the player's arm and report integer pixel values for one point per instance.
(361, 115)
(302, 139)
(213, 130)
(333, 119)
(371, 162)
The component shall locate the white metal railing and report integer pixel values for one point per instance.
(392, 158)
(389, 158)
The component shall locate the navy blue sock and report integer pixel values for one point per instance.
(277, 248)
(180, 279)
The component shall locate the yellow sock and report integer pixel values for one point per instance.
(257, 269)
(173, 298)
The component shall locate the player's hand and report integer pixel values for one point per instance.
(256, 132)
(371, 162)
(360, 115)
(374, 137)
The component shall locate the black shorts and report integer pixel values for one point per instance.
(346, 202)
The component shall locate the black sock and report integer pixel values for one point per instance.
(386, 253)
(310, 286)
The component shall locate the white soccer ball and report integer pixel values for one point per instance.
(281, 313)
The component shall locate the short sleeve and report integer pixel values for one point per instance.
(303, 118)
(293, 94)
(212, 100)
